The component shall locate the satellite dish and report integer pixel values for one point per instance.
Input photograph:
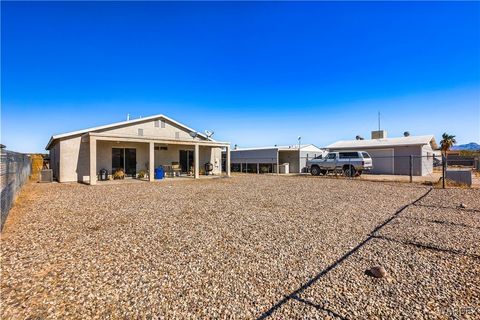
(209, 133)
(193, 134)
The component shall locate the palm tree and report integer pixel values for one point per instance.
(447, 142)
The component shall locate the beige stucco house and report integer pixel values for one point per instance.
(134, 145)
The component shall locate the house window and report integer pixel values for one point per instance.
(162, 123)
(164, 148)
(156, 148)
(157, 123)
(140, 132)
(177, 135)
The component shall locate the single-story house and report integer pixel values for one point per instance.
(273, 159)
(134, 145)
(392, 155)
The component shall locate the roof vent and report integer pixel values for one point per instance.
(406, 134)
(359, 137)
(380, 134)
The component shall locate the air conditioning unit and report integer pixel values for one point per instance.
(46, 175)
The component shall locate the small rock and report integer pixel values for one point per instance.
(462, 205)
(377, 272)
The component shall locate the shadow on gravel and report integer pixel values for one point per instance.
(294, 295)
(428, 247)
(318, 307)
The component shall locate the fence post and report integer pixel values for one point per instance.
(411, 168)
(444, 167)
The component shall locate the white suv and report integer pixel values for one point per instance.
(350, 163)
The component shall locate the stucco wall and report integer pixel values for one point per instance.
(212, 155)
(149, 130)
(74, 160)
(104, 154)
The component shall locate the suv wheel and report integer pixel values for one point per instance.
(315, 171)
(349, 171)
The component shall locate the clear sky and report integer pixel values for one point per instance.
(256, 73)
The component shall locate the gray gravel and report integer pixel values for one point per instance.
(446, 215)
(437, 234)
(222, 248)
(422, 284)
(452, 198)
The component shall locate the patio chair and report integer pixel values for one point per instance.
(176, 169)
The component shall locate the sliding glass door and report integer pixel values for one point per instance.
(125, 159)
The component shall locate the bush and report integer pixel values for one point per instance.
(119, 174)
(142, 174)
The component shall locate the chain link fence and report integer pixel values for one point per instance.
(15, 169)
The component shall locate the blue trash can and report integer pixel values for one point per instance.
(159, 173)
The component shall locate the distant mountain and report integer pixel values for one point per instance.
(472, 146)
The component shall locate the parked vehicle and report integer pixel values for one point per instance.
(349, 163)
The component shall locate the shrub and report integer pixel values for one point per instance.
(119, 174)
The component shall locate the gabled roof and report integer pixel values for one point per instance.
(386, 142)
(121, 124)
(282, 148)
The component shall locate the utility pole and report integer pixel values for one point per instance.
(378, 120)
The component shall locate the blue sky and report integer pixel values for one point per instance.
(256, 73)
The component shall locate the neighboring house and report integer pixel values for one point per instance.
(392, 155)
(133, 145)
(266, 159)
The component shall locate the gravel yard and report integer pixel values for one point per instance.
(233, 248)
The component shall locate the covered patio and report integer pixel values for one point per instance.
(135, 155)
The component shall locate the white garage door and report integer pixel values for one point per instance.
(383, 161)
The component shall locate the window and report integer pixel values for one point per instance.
(348, 155)
(164, 148)
(156, 148)
(162, 123)
(140, 132)
(157, 124)
(331, 156)
(365, 155)
(177, 135)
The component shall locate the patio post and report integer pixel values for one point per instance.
(151, 161)
(93, 160)
(227, 169)
(196, 161)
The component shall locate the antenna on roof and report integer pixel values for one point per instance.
(378, 120)
(209, 133)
